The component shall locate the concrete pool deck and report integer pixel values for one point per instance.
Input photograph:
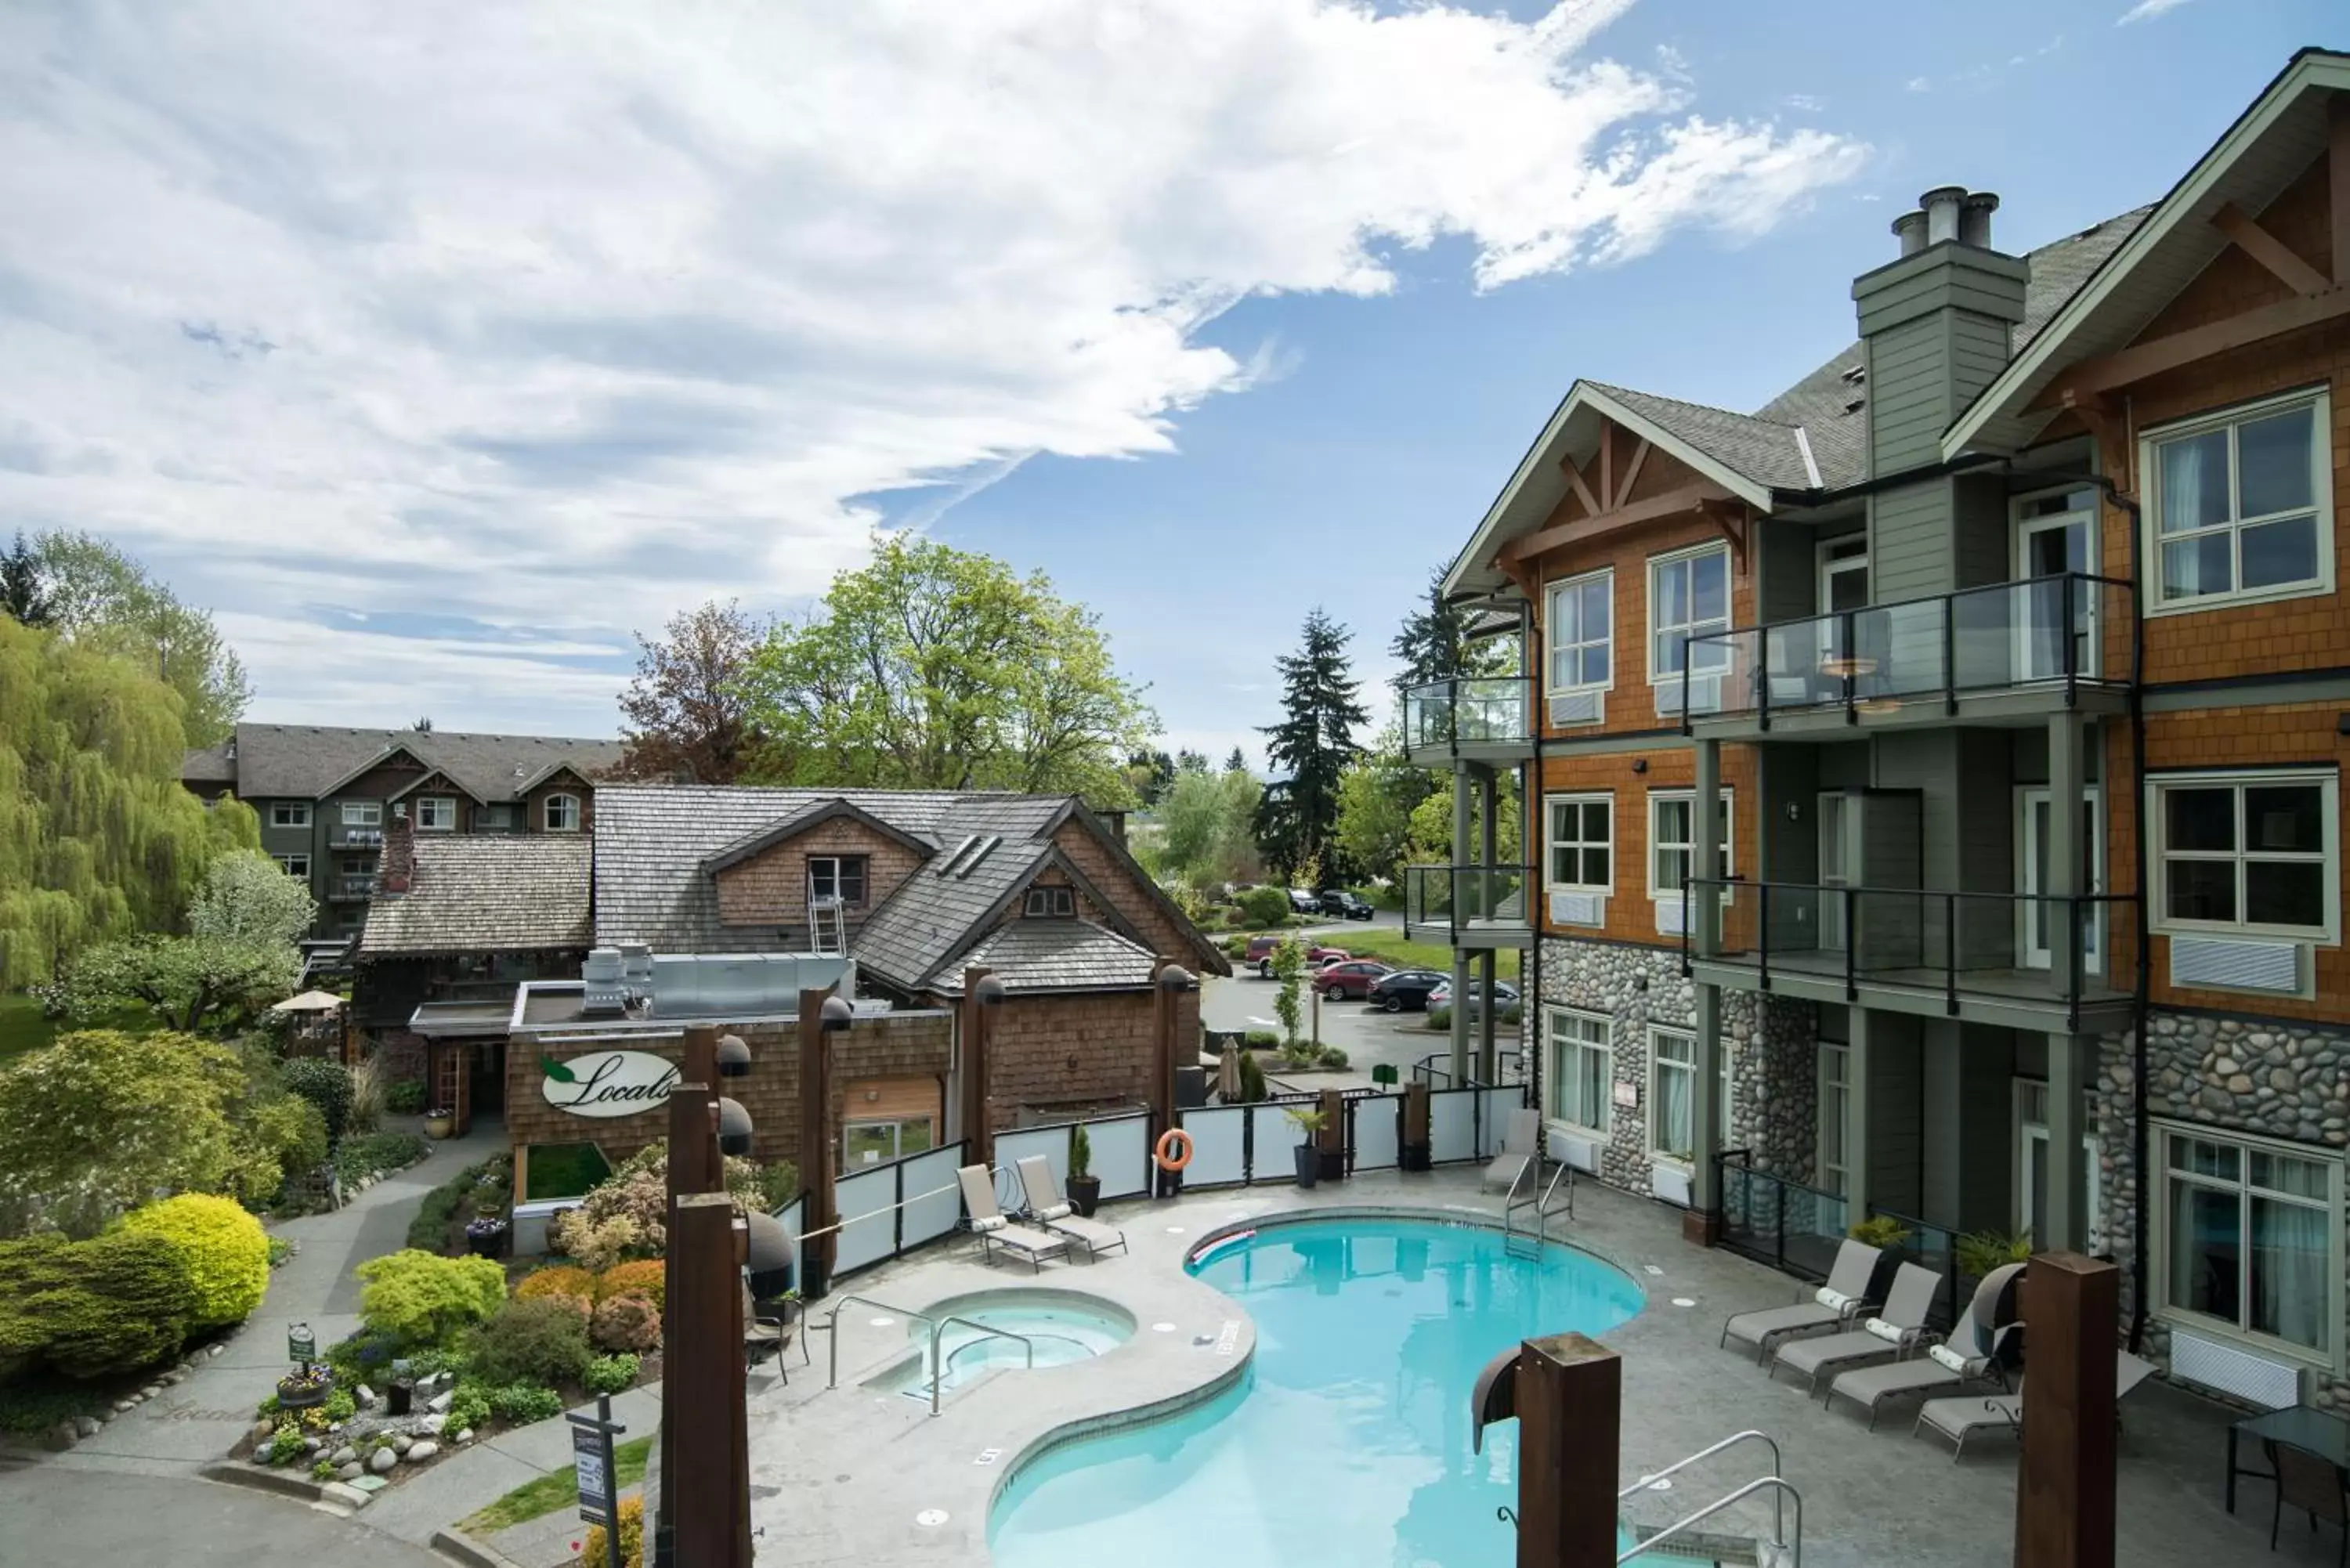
(849, 1475)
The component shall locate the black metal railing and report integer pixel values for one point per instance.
(1509, 1069)
(354, 887)
(1793, 1227)
(1913, 936)
(1932, 1247)
(1461, 897)
(2040, 631)
(1443, 716)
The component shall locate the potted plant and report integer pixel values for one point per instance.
(440, 1122)
(1982, 1253)
(1308, 1121)
(486, 1236)
(1085, 1187)
(304, 1389)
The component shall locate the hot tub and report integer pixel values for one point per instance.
(997, 1331)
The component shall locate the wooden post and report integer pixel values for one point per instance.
(1416, 1121)
(1330, 1143)
(2065, 1482)
(975, 1027)
(1162, 1069)
(700, 1063)
(818, 1167)
(694, 1169)
(703, 1422)
(1570, 1397)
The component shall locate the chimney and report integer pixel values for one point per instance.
(399, 857)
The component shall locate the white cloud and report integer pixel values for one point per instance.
(2147, 10)
(1919, 84)
(549, 320)
(1804, 102)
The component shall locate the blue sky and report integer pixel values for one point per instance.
(438, 352)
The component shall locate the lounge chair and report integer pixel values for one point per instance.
(1048, 1207)
(1900, 1327)
(1960, 1419)
(1830, 1306)
(1980, 1349)
(994, 1230)
(1521, 1142)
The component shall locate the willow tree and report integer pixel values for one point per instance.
(98, 838)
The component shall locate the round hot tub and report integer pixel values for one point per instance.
(997, 1331)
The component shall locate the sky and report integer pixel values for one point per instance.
(439, 348)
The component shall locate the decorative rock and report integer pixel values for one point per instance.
(61, 1436)
(467, 1436)
(2240, 1084)
(440, 1402)
(151, 1391)
(86, 1426)
(363, 1396)
(343, 1455)
(400, 1442)
(419, 1452)
(261, 1432)
(351, 1470)
(433, 1424)
(382, 1460)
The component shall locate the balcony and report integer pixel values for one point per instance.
(341, 837)
(1982, 957)
(1484, 719)
(346, 890)
(1468, 906)
(2008, 653)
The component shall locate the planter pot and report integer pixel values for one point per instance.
(1309, 1164)
(439, 1127)
(1331, 1163)
(398, 1397)
(491, 1244)
(1085, 1195)
(300, 1396)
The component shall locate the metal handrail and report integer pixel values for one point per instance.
(939, 1367)
(1779, 1518)
(1680, 1525)
(832, 1327)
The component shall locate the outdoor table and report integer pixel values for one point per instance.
(2299, 1426)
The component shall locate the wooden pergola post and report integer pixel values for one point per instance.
(705, 1471)
(818, 1169)
(2064, 1479)
(973, 1025)
(1566, 1393)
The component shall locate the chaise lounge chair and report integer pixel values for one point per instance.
(1048, 1207)
(1900, 1326)
(994, 1230)
(1980, 1349)
(1960, 1419)
(1521, 1142)
(1831, 1306)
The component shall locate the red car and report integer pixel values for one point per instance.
(1350, 979)
(1261, 952)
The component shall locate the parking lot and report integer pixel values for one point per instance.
(1369, 1038)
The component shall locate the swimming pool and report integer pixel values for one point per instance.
(1062, 1326)
(1347, 1441)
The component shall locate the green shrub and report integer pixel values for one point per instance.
(539, 1341)
(1440, 1018)
(88, 1308)
(364, 1357)
(469, 1406)
(326, 1085)
(367, 1100)
(1236, 947)
(560, 1279)
(1512, 1013)
(1261, 1040)
(227, 1252)
(627, 1322)
(1252, 1079)
(340, 1405)
(645, 1276)
(405, 1098)
(421, 1299)
(324, 1470)
(280, 1249)
(594, 1548)
(32, 1405)
(285, 1443)
(1333, 1057)
(1265, 905)
(523, 1403)
(371, 1154)
(290, 1131)
(609, 1374)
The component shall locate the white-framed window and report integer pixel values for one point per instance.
(294, 866)
(2031, 1170)
(879, 1142)
(1835, 1117)
(2250, 1238)
(1672, 848)
(2240, 504)
(1688, 596)
(436, 812)
(363, 814)
(840, 876)
(1580, 848)
(1053, 902)
(1582, 1055)
(290, 813)
(1672, 1095)
(2251, 854)
(1580, 627)
(2035, 920)
(562, 813)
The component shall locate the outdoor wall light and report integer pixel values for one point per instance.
(835, 1015)
(1795, 810)
(733, 1057)
(734, 1126)
(766, 1256)
(989, 992)
(1639, 765)
(1175, 979)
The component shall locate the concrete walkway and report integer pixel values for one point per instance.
(55, 1515)
(482, 1472)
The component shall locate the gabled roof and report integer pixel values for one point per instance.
(485, 892)
(835, 809)
(2271, 144)
(1031, 955)
(435, 779)
(309, 761)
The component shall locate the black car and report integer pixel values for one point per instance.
(1406, 990)
(1340, 902)
(1302, 902)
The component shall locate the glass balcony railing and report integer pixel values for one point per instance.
(1444, 718)
(1466, 900)
(2043, 632)
(354, 887)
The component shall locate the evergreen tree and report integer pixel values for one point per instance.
(1191, 762)
(23, 594)
(1236, 762)
(1434, 642)
(1322, 703)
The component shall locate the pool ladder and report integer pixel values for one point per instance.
(1781, 1551)
(938, 1330)
(1541, 1202)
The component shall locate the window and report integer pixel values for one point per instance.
(1580, 1088)
(363, 814)
(290, 813)
(1061, 902)
(2241, 506)
(840, 876)
(492, 819)
(563, 816)
(295, 865)
(877, 1143)
(2032, 1169)
(2252, 852)
(1582, 614)
(1672, 852)
(1835, 1113)
(358, 866)
(1688, 596)
(435, 814)
(2252, 1236)
(1581, 844)
(1672, 1095)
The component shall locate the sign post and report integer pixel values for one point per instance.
(591, 1464)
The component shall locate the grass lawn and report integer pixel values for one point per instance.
(555, 1490)
(21, 1027)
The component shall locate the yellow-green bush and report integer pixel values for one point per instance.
(560, 1279)
(228, 1251)
(632, 1538)
(88, 1308)
(421, 1298)
(645, 1276)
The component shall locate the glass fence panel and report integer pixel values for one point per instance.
(867, 1227)
(1219, 1145)
(1012, 1147)
(1273, 1138)
(1494, 1118)
(793, 1217)
(1121, 1155)
(1379, 1131)
(1452, 1125)
(933, 1197)
(1484, 709)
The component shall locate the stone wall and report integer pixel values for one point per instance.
(2271, 1078)
(1064, 1049)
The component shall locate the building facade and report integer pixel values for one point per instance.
(1935, 774)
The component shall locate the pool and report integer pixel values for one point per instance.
(1062, 1326)
(1347, 1440)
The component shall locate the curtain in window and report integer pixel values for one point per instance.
(1676, 1132)
(2206, 1249)
(2290, 1264)
(2195, 495)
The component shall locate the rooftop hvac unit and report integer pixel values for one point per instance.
(637, 967)
(603, 990)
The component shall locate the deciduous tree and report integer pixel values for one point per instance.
(687, 710)
(100, 596)
(1207, 829)
(190, 983)
(248, 896)
(1322, 707)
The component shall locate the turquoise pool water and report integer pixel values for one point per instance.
(1348, 1442)
(1058, 1326)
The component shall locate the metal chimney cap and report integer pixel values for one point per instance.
(1941, 193)
(733, 1057)
(734, 1126)
(835, 1015)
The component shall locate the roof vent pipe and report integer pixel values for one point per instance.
(1941, 204)
(1910, 229)
(1974, 219)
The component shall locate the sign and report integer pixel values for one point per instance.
(608, 1083)
(1627, 1096)
(588, 1446)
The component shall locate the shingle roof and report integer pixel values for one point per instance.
(305, 761)
(477, 892)
(926, 921)
(1031, 955)
(1757, 448)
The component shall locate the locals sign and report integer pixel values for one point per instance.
(608, 1083)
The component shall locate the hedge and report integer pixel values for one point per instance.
(228, 1251)
(121, 1301)
(326, 1085)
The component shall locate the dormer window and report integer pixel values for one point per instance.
(1052, 902)
(562, 813)
(837, 877)
(435, 814)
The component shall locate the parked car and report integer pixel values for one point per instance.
(1404, 990)
(1504, 991)
(1302, 901)
(1349, 977)
(1344, 905)
(1259, 956)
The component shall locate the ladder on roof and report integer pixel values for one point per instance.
(828, 921)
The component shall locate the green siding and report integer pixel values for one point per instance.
(1909, 542)
(1893, 1083)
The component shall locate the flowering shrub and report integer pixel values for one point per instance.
(418, 1298)
(557, 1280)
(628, 1322)
(228, 1251)
(626, 1215)
(645, 1277)
(592, 1551)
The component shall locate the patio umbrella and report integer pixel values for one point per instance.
(310, 1001)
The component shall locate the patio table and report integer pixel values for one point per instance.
(2298, 1425)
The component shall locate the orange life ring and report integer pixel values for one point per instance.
(1171, 1138)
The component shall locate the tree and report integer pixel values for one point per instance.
(23, 596)
(1191, 762)
(935, 669)
(687, 710)
(1432, 826)
(1377, 796)
(1289, 970)
(247, 896)
(102, 597)
(1315, 742)
(1434, 643)
(424, 726)
(1150, 772)
(1236, 762)
(188, 983)
(1207, 829)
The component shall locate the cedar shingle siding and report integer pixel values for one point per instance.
(489, 892)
